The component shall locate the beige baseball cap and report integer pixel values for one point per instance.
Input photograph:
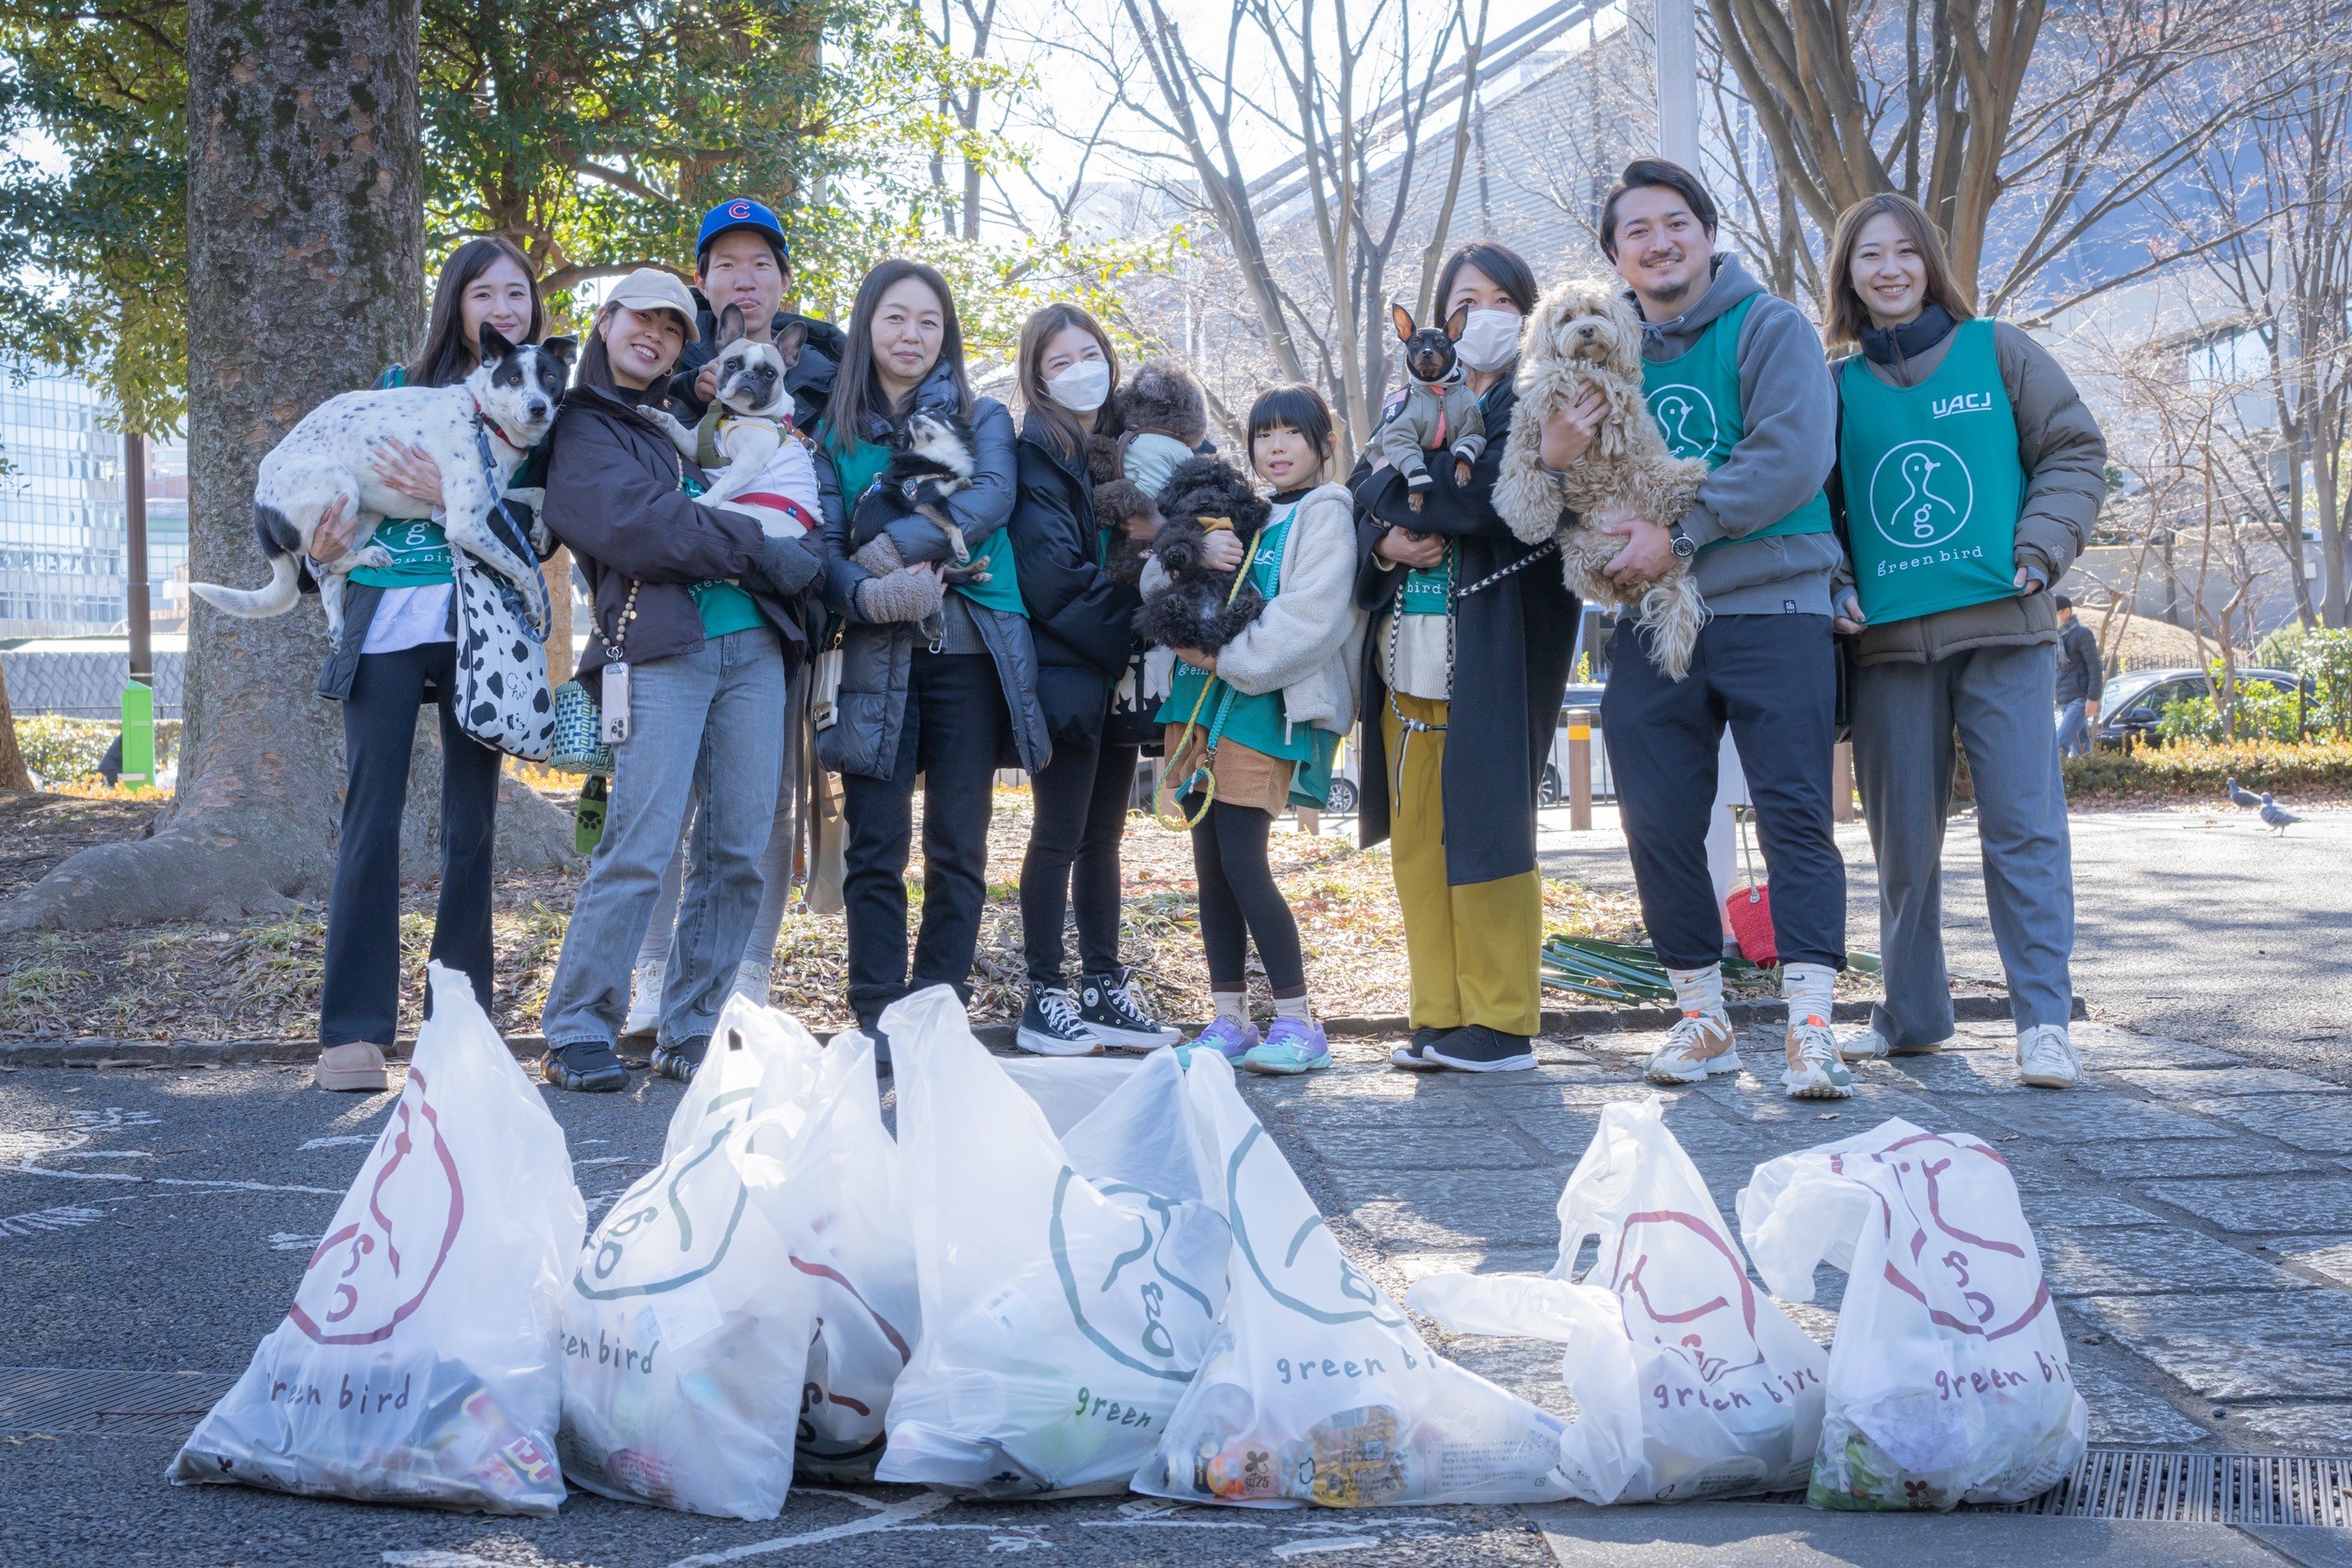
(649, 288)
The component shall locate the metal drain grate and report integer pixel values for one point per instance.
(114, 1403)
(2201, 1488)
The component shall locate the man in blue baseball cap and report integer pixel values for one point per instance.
(741, 257)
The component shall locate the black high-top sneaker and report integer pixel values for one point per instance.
(1111, 1005)
(1050, 1025)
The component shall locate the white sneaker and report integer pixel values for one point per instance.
(1869, 1045)
(752, 980)
(2046, 1058)
(1698, 1046)
(1814, 1072)
(645, 999)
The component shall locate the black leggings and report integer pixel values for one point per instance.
(1080, 800)
(1238, 900)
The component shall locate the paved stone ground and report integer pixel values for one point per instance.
(2197, 924)
(2194, 1215)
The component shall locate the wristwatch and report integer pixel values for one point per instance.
(1684, 546)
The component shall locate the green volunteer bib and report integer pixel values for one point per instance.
(421, 554)
(1256, 722)
(1696, 400)
(857, 468)
(1429, 590)
(1932, 485)
(724, 605)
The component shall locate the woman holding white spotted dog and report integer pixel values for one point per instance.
(396, 652)
(694, 609)
(1970, 476)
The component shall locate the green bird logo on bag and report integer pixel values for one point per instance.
(650, 1243)
(1147, 1310)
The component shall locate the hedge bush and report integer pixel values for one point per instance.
(60, 750)
(2187, 770)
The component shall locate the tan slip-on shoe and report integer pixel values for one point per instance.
(353, 1069)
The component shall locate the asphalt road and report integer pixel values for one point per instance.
(189, 1266)
(2204, 926)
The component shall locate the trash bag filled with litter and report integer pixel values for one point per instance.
(420, 1361)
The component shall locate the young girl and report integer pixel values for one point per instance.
(1277, 699)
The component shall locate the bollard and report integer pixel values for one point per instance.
(1579, 770)
(1842, 782)
(138, 734)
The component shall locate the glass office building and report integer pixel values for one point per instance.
(63, 532)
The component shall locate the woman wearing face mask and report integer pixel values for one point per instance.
(1084, 625)
(694, 607)
(1464, 671)
(950, 708)
(1970, 476)
(398, 651)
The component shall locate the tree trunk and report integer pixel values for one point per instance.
(14, 775)
(305, 250)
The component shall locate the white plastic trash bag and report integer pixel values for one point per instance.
(1689, 1381)
(685, 1328)
(825, 1171)
(1064, 1311)
(1948, 1380)
(1317, 1388)
(418, 1362)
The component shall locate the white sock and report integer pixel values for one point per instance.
(1810, 989)
(1698, 990)
(1233, 1006)
(1295, 1008)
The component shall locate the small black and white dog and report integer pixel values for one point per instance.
(512, 395)
(931, 459)
(1199, 606)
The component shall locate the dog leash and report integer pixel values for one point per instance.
(1201, 774)
(1409, 725)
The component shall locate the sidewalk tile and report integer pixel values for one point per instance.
(2186, 1157)
(2069, 1116)
(2240, 1345)
(2324, 1125)
(2255, 1205)
(2079, 1209)
(2124, 1412)
(2331, 1255)
(2105, 1049)
(2088, 1262)
(1407, 1144)
(2322, 1429)
(2190, 1084)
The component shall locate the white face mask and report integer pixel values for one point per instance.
(1082, 388)
(1491, 339)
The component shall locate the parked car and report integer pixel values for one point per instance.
(2134, 701)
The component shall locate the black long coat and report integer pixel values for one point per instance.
(1513, 641)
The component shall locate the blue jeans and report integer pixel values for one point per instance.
(1905, 715)
(2074, 729)
(701, 725)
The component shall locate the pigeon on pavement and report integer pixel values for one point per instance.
(2277, 816)
(2246, 798)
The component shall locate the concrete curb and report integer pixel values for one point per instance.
(100, 1052)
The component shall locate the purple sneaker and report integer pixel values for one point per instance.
(1233, 1040)
(1290, 1046)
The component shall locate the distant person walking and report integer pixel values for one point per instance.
(1970, 476)
(2081, 679)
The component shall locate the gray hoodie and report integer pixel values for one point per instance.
(1789, 415)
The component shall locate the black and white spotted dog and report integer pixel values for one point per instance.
(511, 396)
(931, 459)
